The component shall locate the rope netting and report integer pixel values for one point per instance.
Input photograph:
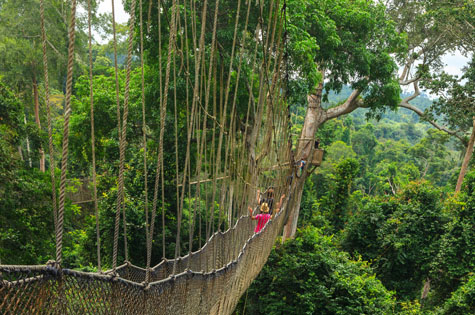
(237, 142)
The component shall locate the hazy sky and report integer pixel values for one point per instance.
(120, 15)
(454, 63)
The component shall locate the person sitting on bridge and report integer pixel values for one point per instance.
(264, 216)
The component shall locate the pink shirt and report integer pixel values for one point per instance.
(261, 221)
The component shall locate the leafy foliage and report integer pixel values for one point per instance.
(462, 301)
(25, 206)
(456, 257)
(309, 275)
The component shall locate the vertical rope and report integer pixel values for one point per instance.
(217, 155)
(208, 88)
(184, 42)
(163, 209)
(213, 139)
(193, 108)
(200, 140)
(226, 95)
(241, 56)
(144, 123)
(116, 68)
(197, 129)
(176, 147)
(48, 111)
(287, 75)
(194, 111)
(67, 114)
(123, 142)
(93, 141)
(163, 109)
(200, 157)
(161, 100)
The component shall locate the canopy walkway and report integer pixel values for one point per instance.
(238, 117)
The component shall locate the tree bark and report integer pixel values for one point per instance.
(37, 119)
(466, 160)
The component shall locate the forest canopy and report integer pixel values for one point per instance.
(385, 224)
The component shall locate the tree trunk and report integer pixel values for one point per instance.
(37, 119)
(426, 289)
(314, 118)
(466, 159)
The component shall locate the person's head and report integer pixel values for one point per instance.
(265, 208)
(270, 192)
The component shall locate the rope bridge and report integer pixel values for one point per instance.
(237, 125)
(203, 286)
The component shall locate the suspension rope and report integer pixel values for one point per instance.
(246, 186)
(123, 142)
(93, 141)
(241, 56)
(212, 154)
(67, 114)
(161, 99)
(184, 42)
(226, 94)
(48, 111)
(193, 108)
(144, 123)
(201, 138)
(116, 71)
(176, 142)
(163, 123)
(194, 113)
(163, 109)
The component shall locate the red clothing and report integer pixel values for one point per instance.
(261, 221)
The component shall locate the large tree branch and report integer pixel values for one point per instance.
(54, 49)
(416, 93)
(347, 107)
(410, 81)
(416, 110)
(403, 79)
